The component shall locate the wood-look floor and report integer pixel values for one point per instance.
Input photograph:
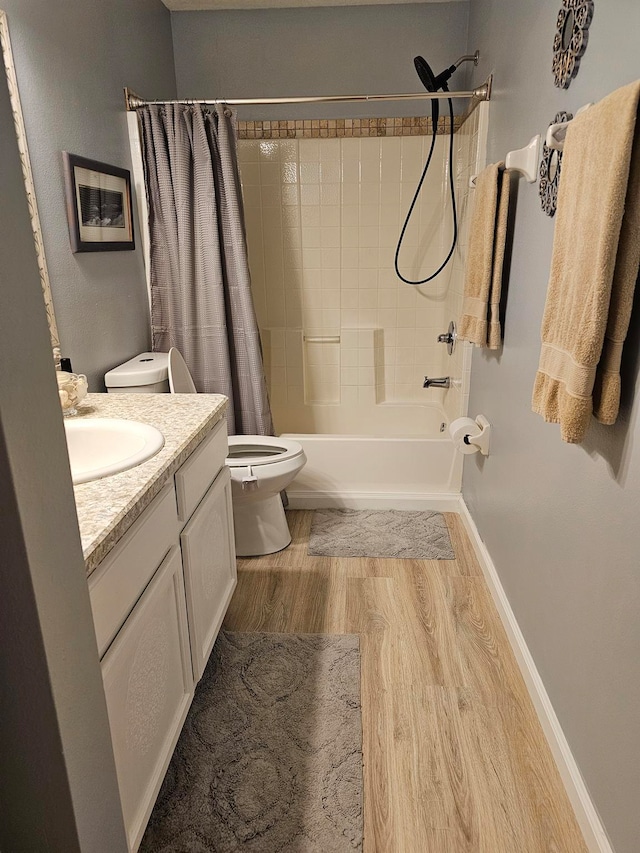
(454, 756)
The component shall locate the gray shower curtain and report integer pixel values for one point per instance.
(201, 299)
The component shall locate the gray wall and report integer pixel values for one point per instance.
(58, 788)
(561, 521)
(317, 51)
(73, 58)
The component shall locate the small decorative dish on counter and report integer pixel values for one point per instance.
(72, 388)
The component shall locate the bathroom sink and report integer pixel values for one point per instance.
(99, 447)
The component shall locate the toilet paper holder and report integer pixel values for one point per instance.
(483, 440)
(471, 436)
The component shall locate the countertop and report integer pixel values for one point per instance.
(108, 507)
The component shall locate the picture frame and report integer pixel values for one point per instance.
(99, 205)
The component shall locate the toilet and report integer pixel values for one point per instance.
(260, 466)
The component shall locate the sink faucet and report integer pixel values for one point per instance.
(440, 382)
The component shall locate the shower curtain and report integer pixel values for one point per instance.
(201, 299)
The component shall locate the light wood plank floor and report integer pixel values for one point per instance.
(454, 756)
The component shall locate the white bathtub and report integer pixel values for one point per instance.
(372, 471)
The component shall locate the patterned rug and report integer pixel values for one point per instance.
(270, 757)
(380, 533)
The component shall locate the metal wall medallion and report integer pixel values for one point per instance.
(550, 171)
(570, 41)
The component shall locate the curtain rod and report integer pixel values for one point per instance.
(482, 93)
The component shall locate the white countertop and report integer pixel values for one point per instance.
(108, 507)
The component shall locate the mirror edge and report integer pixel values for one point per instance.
(27, 174)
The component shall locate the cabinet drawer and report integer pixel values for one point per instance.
(119, 580)
(200, 470)
(209, 559)
(148, 687)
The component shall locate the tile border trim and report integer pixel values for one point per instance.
(344, 127)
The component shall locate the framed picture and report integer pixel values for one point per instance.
(99, 206)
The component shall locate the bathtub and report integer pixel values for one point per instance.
(418, 469)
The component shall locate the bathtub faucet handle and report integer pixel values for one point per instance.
(449, 337)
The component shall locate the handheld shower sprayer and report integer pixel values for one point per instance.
(433, 83)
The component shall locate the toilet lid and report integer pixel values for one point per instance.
(253, 450)
(180, 381)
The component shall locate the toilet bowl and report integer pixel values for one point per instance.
(261, 466)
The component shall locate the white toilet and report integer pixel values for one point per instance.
(261, 466)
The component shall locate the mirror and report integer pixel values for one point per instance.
(567, 29)
(553, 165)
(16, 108)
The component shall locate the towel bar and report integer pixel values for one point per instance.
(523, 160)
(556, 133)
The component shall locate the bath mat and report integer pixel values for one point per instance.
(270, 757)
(380, 533)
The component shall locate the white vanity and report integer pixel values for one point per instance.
(160, 558)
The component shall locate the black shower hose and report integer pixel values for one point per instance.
(415, 199)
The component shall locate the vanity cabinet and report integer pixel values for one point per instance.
(158, 601)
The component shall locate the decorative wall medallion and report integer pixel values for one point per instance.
(550, 171)
(570, 41)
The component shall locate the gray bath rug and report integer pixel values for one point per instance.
(380, 533)
(270, 757)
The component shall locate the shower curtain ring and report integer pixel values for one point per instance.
(227, 111)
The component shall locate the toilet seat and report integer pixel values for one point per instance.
(254, 450)
(180, 380)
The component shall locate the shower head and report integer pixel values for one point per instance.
(430, 81)
(426, 75)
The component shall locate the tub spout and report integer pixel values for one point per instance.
(440, 382)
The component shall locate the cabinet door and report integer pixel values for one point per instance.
(209, 558)
(149, 686)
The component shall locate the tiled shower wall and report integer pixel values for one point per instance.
(469, 159)
(347, 344)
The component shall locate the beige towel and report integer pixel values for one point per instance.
(480, 321)
(594, 266)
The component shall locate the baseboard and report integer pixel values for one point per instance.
(586, 814)
(299, 499)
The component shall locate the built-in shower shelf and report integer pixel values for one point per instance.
(321, 359)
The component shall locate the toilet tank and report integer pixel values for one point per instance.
(147, 373)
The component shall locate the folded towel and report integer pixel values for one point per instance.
(480, 321)
(594, 267)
